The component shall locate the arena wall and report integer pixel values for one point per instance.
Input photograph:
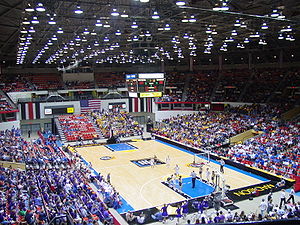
(9, 125)
(160, 115)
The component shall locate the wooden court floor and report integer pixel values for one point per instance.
(141, 187)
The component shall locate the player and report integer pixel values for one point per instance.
(168, 161)
(207, 175)
(213, 175)
(152, 162)
(177, 170)
(222, 163)
(180, 183)
(200, 171)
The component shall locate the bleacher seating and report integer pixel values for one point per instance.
(110, 80)
(52, 185)
(46, 81)
(4, 104)
(79, 85)
(78, 128)
(15, 83)
(119, 124)
(201, 86)
(231, 85)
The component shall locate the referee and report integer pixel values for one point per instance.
(193, 175)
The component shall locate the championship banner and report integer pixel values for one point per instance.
(140, 104)
(29, 110)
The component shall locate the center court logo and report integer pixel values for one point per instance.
(106, 157)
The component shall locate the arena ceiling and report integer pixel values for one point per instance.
(141, 31)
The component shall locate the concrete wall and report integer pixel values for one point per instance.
(9, 125)
(160, 115)
(12, 165)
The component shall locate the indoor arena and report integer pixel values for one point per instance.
(126, 112)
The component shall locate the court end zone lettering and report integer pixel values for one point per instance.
(249, 191)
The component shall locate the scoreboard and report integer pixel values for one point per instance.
(145, 84)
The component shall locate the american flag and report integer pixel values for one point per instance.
(90, 105)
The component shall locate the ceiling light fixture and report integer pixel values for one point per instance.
(134, 25)
(180, 3)
(78, 10)
(192, 19)
(51, 21)
(155, 15)
(264, 26)
(118, 33)
(40, 7)
(35, 20)
(115, 12)
(124, 14)
(60, 31)
(29, 8)
(223, 6)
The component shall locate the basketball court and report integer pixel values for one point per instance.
(143, 185)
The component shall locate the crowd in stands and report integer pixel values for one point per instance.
(277, 150)
(231, 85)
(262, 85)
(256, 86)
(15, 83)
(173, 87)
(119, 124)
(4, 105)
(55, 183)
(205, 129)
(78, 128)
(270, 212)
(201, 86)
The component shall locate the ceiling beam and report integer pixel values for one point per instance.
(9, 39)
(14, 7)
(239, 14)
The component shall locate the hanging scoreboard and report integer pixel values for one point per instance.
(145, 85)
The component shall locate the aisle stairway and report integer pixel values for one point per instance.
(60, 131)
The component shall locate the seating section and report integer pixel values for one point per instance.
(55, 183)
(201, 86)
(120, 124)
(235, 85)
(288, 90)
(173, 87)
(262, 85)
(78, 128)
(231, 85)
(79, 85)
(277, 150)
(205, 130)
(46, 81)
(110, 80)
(4, 104)
(15, 83)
